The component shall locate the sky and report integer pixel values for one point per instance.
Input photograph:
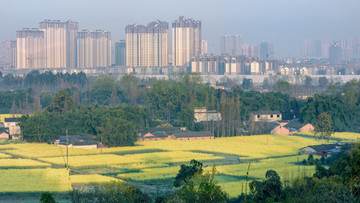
(284, 22)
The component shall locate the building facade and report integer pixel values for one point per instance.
(93, 49)
(186, 40)
(231, 44)
(30, 49)
(60, 45)
(120, 53)
(147, 46)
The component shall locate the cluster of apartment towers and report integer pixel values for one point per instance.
(57, 44)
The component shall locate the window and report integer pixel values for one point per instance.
(278, 115)
(272, 116)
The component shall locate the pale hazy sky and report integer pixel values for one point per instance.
(285, 22)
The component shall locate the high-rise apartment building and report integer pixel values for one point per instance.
(60, 45)
(71, 32)
(204, 47)
(13, 54)
(266, 51)
(147, 46)
(5, 52)
(55, 43)
(186, 40)
(93, 49)
(30, 48)
(231, 44)
(120, 53)
(335, 53)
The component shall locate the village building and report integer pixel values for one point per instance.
(296, 126)
(77, 141)
(280, 130)
(173, 133)
(321, 150)
(266, 116)
(14, 129)
(201, 114)
(4, 133)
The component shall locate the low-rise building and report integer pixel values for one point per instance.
(266, 116)
(201, 114)
(173, 133)
(12, 124)
(4, 133)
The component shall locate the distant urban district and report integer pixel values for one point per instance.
(62, 47)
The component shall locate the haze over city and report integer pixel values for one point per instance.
(285, 23)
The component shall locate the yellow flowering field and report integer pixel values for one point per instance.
(152, 174)
(111, 159)
(36, 150)
(4, 156)
(250, 147)
(34, 180)
(258, 169)
(3, 116)
(20, 163)
(93, 178)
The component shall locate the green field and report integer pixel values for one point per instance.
(27, 167)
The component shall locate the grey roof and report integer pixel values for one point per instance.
(193, 134)
(265, 112)
(160, 132)
(295, 125)
(6, 130)
(323, 147)
(12, 119)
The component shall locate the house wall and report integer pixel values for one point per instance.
(196, 138)
(4, 135)
(267, 117)
(280, 131)
(13, 128)
(307, 128)
(207, 116)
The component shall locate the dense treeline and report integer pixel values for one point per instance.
(116, 126)
(341, 102)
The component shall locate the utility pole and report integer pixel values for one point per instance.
(67, 150)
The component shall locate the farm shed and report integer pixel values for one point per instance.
(316, 149)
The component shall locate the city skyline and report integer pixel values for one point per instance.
(271, 21)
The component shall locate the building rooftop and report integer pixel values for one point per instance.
(265, 112)
(12, 119)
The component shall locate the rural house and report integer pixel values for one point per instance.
(201, 114)
(77, 141)
(322, 150)
(4, 133)
(266, 116)
(174, 133)
(296, 126)
(14, 129)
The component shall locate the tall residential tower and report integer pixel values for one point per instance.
(147, 46)
(186, 40)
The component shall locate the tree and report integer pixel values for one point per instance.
(270, 188)
(61, 103)
(47, 197)
(247, 84)
(117, 132)
(187, 172)
(323, 127)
